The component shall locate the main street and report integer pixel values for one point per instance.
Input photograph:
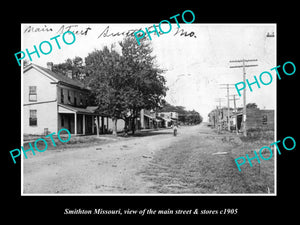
(197, 161)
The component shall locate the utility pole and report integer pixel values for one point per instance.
(228, 87)
(219, 100)
(235, 110)
(218, 113)
(244, 80)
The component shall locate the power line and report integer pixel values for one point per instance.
(219, 100)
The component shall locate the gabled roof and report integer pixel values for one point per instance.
(61, 78)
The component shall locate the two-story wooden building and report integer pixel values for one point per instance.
(148, 119)
(168, 118)
(52, 101)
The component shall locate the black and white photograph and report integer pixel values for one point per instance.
(166, 109)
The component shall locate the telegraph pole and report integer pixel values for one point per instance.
(227, 87)
(219, 100)
(244, 80)
(235, 110)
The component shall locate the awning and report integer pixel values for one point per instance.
(167, 120)
(149, 116)
(236, 114)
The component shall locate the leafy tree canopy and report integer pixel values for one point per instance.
(123, 84)
(75, 65)
(251, 105)
(184, 116)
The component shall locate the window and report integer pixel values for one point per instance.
(32, 94)
(80, 99)
(62, 96)
(69, 97)
(62, 121)
(75, 101)
(32, 117)
(264, 120)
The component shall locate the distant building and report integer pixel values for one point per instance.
(219, 117)
(260, 119)
(167, 118)
(256, 118)
(148, 119)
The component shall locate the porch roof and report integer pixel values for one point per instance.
(151, 117)
(165, 119)
(72, 109)
(236, 114)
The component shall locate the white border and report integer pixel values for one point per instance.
(22, 113)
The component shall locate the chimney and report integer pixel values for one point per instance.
(69, 74)
(49, 65)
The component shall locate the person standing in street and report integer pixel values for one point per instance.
(175, 127)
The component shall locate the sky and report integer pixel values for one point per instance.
(196, 65)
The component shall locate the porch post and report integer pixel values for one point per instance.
(99, 122)
(97, 125)
(142, 118)
(93, 124)
(83, 124)
(75, 123)
(102, 124)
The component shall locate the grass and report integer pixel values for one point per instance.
(184, 170)
(75, 141)
(86, 140)
(190, 167)
(256, 135)
(260, 176)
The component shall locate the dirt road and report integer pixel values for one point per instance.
(196, 161)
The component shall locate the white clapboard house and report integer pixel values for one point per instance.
(52, 101)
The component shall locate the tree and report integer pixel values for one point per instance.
(75, 65)
(251, 105)
(105, 78)
(144, 78)
(194, 117)
(184, 116)
(124, 84)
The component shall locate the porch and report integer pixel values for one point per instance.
(81, 121)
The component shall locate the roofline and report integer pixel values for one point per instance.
(71, 108)
(73, 86)
(32, 65)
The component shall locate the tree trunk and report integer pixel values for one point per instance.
(115, 126)
(97, 126)
(132, 125)
(102, 125)
(126, 126)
